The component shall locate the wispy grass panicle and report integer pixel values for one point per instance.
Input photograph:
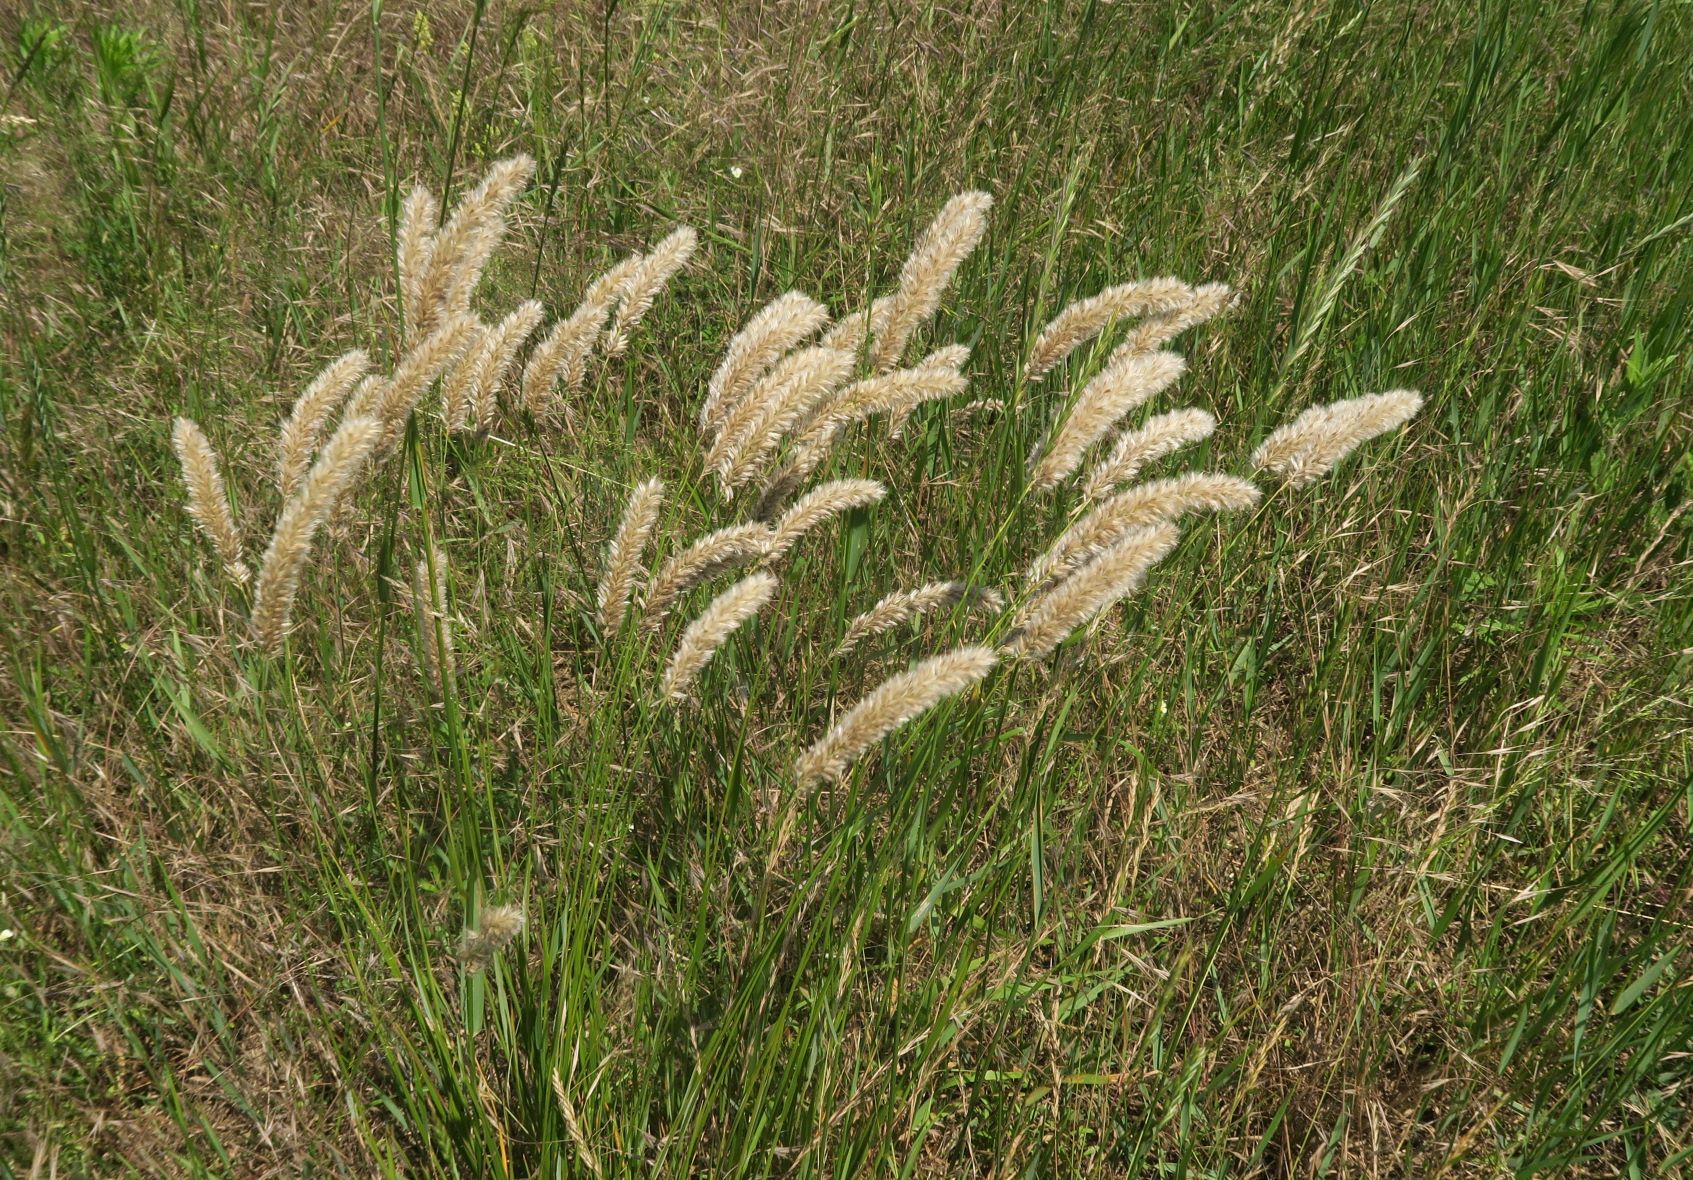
(785, 322)
(852, 330)
(303, 429)
(1116, 571)
(623, 554)
(1086, 318)
(1116, 391)
(904, 605)
(1155, 438)
(709, 555)
(939, 252)
(816, 506)
(1136, 507)
(392, 402)
(711, 630)
(951, 358)
(644, 283)
(893, 703)
(415, 244)
(1310, 446)
(562, 354)
(1207, 301)
(789, 392)
(208, 498)
(340, 464)
(496, 928)
(464, 245)
(498, 351)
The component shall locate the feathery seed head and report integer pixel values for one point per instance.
(891, 704)
(496, 927)
(1118, 389)
(711, 554)
(781, 324)
(463, 246)
(416, 242)
(342, 461)
(816, 506)
(499, 349)
(903, 605)
(1137, 507)
(623, 555)
(786, 393)
(1208, 300)
(645, 281)
(208, 499)
(1310, 446)
(1118, 571)
(711, 630)
(940, 251)
(304, 427)
(1086, 318)
(1156, 437)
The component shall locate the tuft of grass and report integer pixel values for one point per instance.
(1355, 847)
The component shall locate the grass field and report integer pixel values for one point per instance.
(1355, 845)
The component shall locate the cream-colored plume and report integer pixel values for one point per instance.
(463, 246)
(416, 242)
(1118, 570)
(711, 554)
(1152, 440)
(711, 630)
(790, 391)
(784, 322)
(852, 330)
(1121, 387)
(1139, 506)
(496, 927)
(904, 605)
(208, 498)
(303, 430)
(1086, 318)
(339, 465)
(500, 345)
(563, 353)
(939, 252)
(392, 401)
(952, 358)
(816, 506)
(1208, 301)
(623, 555)
(644, 283)
(890, 705)
(1308, 448)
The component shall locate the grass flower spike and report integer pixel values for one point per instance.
(816, 506)
(643, 283)
(208, 499)
(1118, 571)
(415, 245)
(495, 929)
(1155, 438)
(1144, 504)
(343, 460)
(904, 605)
(1118, 390)
(939, 252)
(711, 554)
(1308, 448)
(303, 430)
(711, 630)
(891, 704)
(781, 324)
(1086, 318)
(623, 555)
